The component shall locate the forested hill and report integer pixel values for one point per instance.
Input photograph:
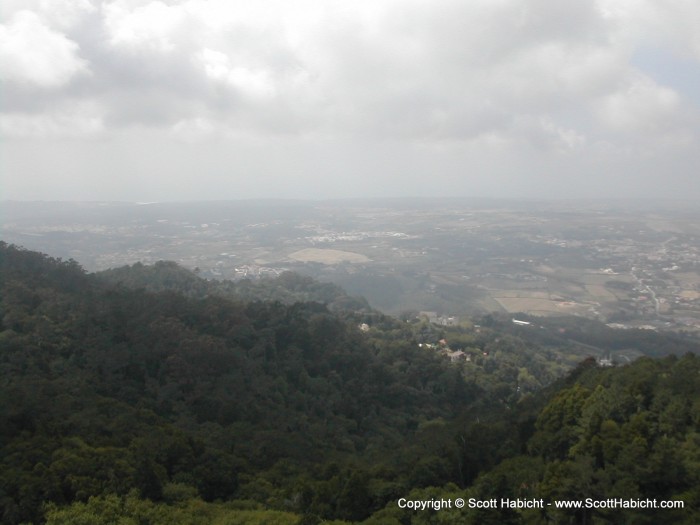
(122, 405)
(287, 288)
(106, 389)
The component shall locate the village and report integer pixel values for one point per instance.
(632, 270)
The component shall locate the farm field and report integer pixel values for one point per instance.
(614, 262)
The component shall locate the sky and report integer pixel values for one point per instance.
(177, 100)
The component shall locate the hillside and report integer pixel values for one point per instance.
(158, 388)
(288, 288)
(153, 406)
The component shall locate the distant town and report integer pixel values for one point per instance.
(629, 266)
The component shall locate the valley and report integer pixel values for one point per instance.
(633, 266)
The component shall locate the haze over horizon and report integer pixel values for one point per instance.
(190, 100)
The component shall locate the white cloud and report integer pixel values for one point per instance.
(153, 26)
(32, 53)
(642, 106)
(77, 120)
(490, 82)
(65, 14)
(669, 23)
(57, 14)
(193, 130)
(250, 82)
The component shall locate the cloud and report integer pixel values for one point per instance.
(254, 83)
(153, 25)
(32, 53)
(62, 15)
(388, 69)
(641, 106)
(671, 24)
(493, 83)
(70, 121)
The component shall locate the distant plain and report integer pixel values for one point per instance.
(632, 264)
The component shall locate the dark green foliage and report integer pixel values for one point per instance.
(107, 389)
(181, 405)
(616, 433)
(288, 288)
(597, 335)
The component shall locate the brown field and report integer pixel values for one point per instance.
(600, 293)
(686, 279)
(598, 278)
(537, 306)
(328, 256)
(662, 225)
(489, 304)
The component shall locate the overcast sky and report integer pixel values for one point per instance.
(146, 100)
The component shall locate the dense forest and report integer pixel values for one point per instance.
(288, 288)
(146, 395)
